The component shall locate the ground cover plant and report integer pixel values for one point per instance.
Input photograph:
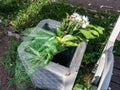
(25, 14)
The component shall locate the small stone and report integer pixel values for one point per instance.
(89, 4)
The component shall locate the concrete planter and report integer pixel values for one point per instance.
(57, 75)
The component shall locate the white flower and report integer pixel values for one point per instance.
(79, 18)
(84, 25)
(85, 21)
(76, 17)
(85, 18)
(76, 14)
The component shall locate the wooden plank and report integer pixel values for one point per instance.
(117, 62)
(114, 86)
(109, 60)
(105, 65)
(116, 72)
(107, 72)
(116, 79)
(113, 35)
(99, 70)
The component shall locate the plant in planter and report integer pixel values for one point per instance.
(41, 46)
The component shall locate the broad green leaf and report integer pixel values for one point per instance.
(95, 33)
(68, 38)
(87, 34)
(71, 44)
(97, 28)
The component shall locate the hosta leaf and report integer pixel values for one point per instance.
(68, 38)
(87, 34)
(71, 44)
(94, 33)
(96, 28)
(79, 38)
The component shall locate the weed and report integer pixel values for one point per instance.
(17, 74)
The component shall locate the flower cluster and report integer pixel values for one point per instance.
(73, 23)
(79, 18)
(76, 28)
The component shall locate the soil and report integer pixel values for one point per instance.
(4, 38)
(3, 73)
(107, 4)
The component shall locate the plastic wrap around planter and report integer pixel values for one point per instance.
(61, 72)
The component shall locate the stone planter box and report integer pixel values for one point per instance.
(61, 72)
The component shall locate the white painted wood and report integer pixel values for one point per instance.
(107, 72)
(113, 36)
(118, 37)
(99, 70)
(114, 33)
(105, 64)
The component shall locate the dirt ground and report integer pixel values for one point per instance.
(107, 4)
(3, 73)
(4, 38)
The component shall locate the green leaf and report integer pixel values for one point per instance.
(94, 33)
(59, 32)
(68, 38)
(71, 44)
(33, 51)
(87, 34)
(96, 28)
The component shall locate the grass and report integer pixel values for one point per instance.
(25, 14)
(16, 71)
